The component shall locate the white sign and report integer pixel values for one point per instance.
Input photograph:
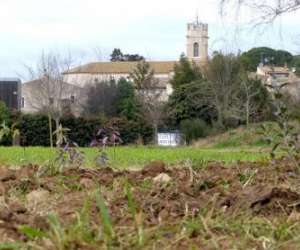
(168, 139)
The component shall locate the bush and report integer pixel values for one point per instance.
(131, 131)
(194, 129)
(34, 129)
(82, 130)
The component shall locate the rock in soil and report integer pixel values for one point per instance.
(162, 178)
(154, 168)
(37, 196)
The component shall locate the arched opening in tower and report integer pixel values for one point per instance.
(196, 49)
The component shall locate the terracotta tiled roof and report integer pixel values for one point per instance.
(159, 67)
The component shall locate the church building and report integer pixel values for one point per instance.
(196, 50)
(75, 81)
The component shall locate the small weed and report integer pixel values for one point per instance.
(136, 214)
(205, 185)
(147, 183)
(10, 246)
(31, 233)
(57, 233)
(105, 137)
(246, 176)
(67, 156)
(193, 227)
(23, 185)
(109, 233)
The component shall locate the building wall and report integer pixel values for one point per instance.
(84, 80)
(35, 99)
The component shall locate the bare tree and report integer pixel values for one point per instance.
(101, 99)
(150, 94)
(267, 10)
(255, 97)
(47, 92)
(223, 87)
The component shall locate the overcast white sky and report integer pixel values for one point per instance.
(155, 29)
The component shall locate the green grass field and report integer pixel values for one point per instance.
(133, 157)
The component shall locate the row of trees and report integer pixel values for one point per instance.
(222, 94)
(118, 56)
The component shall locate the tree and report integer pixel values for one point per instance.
(149, 94)
(133, 58)
(222, 75)
(251, 59)
(187, 100)
(190, 101)
(267, 11)
(118, 56)
(142, 75)
(225, 95)
(101, 98)
(185, 72)
(47, 92)
(193, 129)
(256, 99)
(126, 102)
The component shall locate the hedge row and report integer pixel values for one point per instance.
(34, 130)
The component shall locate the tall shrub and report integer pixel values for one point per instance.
(193, 129)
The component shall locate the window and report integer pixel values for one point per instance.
(22, 102)
(72, 99)
(196, 49)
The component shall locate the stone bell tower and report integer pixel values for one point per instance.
(197, 41)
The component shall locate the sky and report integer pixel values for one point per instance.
(156, 29)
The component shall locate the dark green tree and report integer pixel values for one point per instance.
(252, 58)
(187, 100)
(185, 72)
(133, 58)
(118, 56)
(126, 102)
(190, 101)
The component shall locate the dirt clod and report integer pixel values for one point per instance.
(162, 178)
(7, 174)
(154, 168)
